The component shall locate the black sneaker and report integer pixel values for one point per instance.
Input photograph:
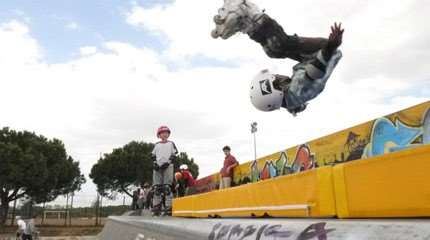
(156, 210)
(167, 212)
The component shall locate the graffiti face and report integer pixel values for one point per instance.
(303, 160)
(281, 164)
(265, 173)
(255, 174)
(388, 137)
(269, 171)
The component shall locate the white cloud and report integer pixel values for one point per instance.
(17, 47)
(88, 50)
(187, 26)
(379, 35)
(116, 93)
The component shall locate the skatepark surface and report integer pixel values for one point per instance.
(166, 228)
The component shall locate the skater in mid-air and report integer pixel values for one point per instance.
(317, 57)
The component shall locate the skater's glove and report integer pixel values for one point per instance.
(164, 166)
(155, 166)
(173, 158)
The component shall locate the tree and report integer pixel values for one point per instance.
(128, 166)
(116, 172)
(34, 167)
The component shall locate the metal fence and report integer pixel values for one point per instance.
(78, 210)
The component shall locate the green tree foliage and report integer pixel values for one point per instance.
(128, 166)
(34, 167)
(124, 167)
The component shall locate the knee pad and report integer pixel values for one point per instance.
(167, 189)
(158, 190)
(317, 67)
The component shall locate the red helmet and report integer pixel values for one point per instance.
(162, 129)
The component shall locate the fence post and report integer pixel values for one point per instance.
(44, 214)
(71, 209)
(67, 207)
(13, 213)
(97, 209)
(101, 210)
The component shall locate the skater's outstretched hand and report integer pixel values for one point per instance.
(335, 38)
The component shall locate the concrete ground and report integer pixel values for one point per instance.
(12, 237)
(169, 228)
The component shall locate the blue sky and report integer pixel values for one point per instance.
(96, 22)
(62, 27)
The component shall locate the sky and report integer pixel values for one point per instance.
(99, 74)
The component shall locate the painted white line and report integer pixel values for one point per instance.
(261, 208)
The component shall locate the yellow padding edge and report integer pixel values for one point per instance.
(391, 185)
(306, 194)
(183, 203)
(340, 191)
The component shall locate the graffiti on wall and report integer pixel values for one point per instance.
(383, 135)
(402, 130)
(221, 231)
(388, 136)
(354, 147)
(303, 160)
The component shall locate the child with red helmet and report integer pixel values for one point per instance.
(164, 153)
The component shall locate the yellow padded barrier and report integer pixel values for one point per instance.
(306, 194)
(391, 185)
(183, 203)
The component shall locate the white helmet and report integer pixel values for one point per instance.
(263, 95)
(183, 167)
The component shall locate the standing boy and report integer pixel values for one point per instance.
(226, 172)
(164, 153)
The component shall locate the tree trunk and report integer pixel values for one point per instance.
(4, 208)
(124, 189)
(30, 211)
(67, 209)
(71, 209)
(97, 209)
(12, 221)
(100, 210)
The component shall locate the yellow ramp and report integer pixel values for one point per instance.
(306, 194)
(391, 185)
